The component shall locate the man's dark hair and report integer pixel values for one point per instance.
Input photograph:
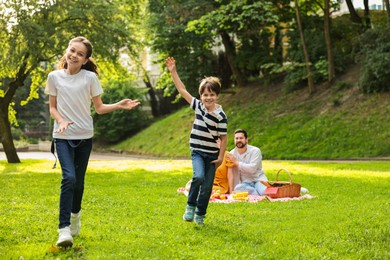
(241, 131)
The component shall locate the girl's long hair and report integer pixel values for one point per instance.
(90, 65)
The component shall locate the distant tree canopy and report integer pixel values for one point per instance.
(34, 35)
(242, 40)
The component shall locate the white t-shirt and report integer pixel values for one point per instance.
(250, 166)
(74, 93)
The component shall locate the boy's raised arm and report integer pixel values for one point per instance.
(171, 65)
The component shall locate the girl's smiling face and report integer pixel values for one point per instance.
(76, 55)
(208, 99)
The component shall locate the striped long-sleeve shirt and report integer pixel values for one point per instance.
(207, 127)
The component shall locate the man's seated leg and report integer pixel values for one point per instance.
(260, 188)
(246, 186)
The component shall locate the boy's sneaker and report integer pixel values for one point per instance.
(189, 214)
(65, 239)
(199, 220)
(75, 223)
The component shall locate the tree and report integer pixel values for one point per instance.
(387, 4)
(230, 18)
(310, 81)
(34, 34)
(356, 18)
(367, 15)
(329, 49)
(353, 14)
(167, 35)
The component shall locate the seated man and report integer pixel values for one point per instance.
(247, 161)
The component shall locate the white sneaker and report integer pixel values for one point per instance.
(65, 239)
(75, 223)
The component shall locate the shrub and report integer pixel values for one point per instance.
(375, 60)
(343, 33)
(114, 127)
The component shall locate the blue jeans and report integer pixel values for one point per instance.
(73, 156)
(253, 188)
(202, 180)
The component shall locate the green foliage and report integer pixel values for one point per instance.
(345, 38)
(250, 22)
(17, 133)
(168, 36)
(341, 85)
(31, 114)
(131, 210)
(254, 50)
(295, 79)
(315, 41)
(235, 16)
(343, 33)
(112, 127)
(34, 35)
(379, 18)
(375, 59)
(40, 31)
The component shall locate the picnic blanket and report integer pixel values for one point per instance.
(251, 198)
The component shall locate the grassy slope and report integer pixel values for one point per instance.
(330, 124)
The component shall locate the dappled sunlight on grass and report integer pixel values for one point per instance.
(30, 166)
(329, 168)
(132, 165)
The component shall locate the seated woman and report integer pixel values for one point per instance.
(223, 180)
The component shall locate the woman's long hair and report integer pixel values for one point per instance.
(90, 65)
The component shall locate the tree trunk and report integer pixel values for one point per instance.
(388, 11)
(305, 52)
(6, 136)
(367, 15)
(329, 50)
(152, 95)
(352, 12)
(355, 18)
(230, 51)
(278, 46)
(5, 126)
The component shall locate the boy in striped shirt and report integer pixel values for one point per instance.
(210, 124)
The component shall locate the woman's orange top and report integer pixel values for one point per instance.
(221, 179)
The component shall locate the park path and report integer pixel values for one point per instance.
(119, 156)
(94, 156)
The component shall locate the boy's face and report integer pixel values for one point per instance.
(209, 98)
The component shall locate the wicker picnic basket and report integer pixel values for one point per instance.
(282, 189)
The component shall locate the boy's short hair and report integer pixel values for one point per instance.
(212, 84)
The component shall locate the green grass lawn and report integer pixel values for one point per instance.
(131, 210)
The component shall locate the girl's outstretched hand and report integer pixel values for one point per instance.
(128, 104)
(171, 63)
